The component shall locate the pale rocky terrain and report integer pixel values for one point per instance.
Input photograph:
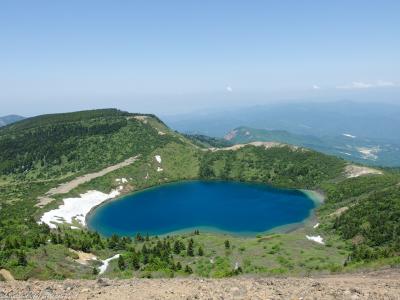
(373, 285)
(267, 145)
(355, 171)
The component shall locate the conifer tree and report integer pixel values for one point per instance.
(121, 263)
(227, 244)
(139, 237)
(95, 271)
(190, 248)
(188, 269)
(177, 247)
(135, 262)
(22, 261)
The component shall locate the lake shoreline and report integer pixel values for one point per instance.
(315, 196)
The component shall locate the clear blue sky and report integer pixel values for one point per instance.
(173, 56)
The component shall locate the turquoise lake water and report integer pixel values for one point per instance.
(221, 206)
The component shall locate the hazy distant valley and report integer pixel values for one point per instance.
(365, 133)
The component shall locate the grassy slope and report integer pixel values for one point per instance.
(277, 254)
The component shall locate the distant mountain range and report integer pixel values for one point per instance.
(10, 119)
(363, 150)
(364, 120)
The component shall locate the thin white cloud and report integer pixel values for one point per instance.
(382, 83)
(366, 85)
(229, 89)
(316, 87)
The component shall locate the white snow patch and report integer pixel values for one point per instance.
(345, 153)
(76, 208)
(318, 239)
(349, 135)
(105, 263)
(369, 153)
(316, 225)
(158, 158)
(159, 169)
(74, 227)
(121, 180)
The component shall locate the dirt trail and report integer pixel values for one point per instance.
(68, 186)
(374, 286)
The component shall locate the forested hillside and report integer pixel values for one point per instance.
(281, 166)
(366, 212)
(52, 146)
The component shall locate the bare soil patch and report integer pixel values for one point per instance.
(83, 257)
(6, 275)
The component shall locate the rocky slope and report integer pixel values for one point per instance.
(376, 285)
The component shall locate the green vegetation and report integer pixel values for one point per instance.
(54, 146)
(204, 141)
(280, 166)
(359, 220)
(371, 221)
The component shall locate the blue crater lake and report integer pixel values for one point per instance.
(219, 206)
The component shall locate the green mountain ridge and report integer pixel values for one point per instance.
(374, 152)
(51, 146)
(5, 120)
(39, 153)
